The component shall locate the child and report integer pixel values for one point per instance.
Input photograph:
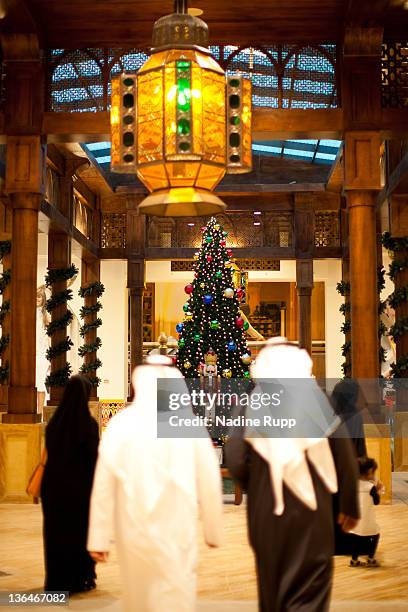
(364, 538)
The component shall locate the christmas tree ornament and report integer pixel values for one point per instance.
(195, 274)
(209, 258)
(223, 243)
(240, 293)
(189, 316)
(197, 337)
(218, 274)
(247, 374)
(227, 373)
(231, 346)
(229, 252)
(202, 285)
(189, 289)
(179, 327)
(214, 324)
(187, 365)
(246, 358)
(225, 234)
(186, 307)
(209, 368)
(208, 239)
(229, 293)
(208, 299)
(228, 264)
(217, 227)
(181, 343)
(203, 229)
(239, 322)
(246, 325)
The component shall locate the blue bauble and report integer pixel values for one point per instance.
(231, 346)
(179, 327)
(208, 300)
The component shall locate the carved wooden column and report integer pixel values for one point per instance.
(5, 235)
(59, 257)
(304, 245)
(361, 100)
(304, 286)
(135, 244)
(91, 273)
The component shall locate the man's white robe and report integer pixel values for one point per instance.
(148, 494)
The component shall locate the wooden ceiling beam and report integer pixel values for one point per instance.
(268, 124)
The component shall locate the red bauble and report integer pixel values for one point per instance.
(189, 289)
(203, 229)
(239, 322)
(229, 252)
(222, 243)
(209, 258)
(196, 275)
(240, 293)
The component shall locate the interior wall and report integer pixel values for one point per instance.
(170, 298)
(114, 331)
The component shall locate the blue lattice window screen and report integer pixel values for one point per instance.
(283, 76)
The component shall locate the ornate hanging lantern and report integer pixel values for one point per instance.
(180, 124)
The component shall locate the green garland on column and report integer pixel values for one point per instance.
(60, 377)
(399, 369)
(95, 289)
(343, 288)
(5, 278)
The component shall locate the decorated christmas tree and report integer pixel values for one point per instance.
(213, 331)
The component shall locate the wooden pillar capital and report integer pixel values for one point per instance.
(25, 166)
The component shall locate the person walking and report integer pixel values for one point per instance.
(147, 494)
(365, 536)
(290, 482)
(71, 441)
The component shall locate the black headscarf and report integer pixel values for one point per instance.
(344, 400)
(71, 423)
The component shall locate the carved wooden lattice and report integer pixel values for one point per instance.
(327, 228)
(283, 75)
(394, 75)
(273, 229)
(249, 265)
(113, 234)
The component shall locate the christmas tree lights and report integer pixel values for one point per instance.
(212, 321)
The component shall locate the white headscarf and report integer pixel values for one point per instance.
(144, 464)
(287, 457)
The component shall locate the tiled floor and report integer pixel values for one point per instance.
(226, 575)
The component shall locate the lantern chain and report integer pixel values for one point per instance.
(180, 6)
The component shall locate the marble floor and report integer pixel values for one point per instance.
(226, 575)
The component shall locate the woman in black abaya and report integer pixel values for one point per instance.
(71, 440)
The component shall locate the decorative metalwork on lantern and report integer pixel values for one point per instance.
(169, 121)
(239, 113)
